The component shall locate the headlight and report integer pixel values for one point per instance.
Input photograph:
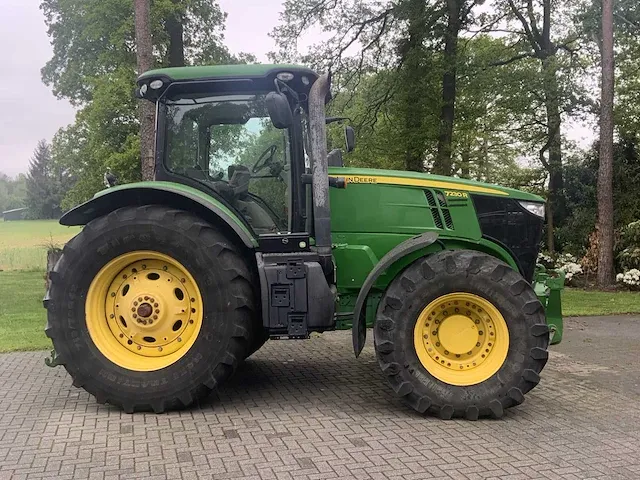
(534, 207)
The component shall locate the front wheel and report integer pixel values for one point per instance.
(461, 334)
(150, 308)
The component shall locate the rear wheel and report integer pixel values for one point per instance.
(461, 334)
(150, 308)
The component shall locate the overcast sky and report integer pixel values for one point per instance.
(29, 111)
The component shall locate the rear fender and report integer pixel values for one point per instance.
(161, 193)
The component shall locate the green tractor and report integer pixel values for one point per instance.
(252, 230)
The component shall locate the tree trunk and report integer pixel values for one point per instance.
(443, 164)
(144, 57)
(605, 169)
(557, 209)
(175, 29)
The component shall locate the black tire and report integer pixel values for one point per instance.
(223, 277)
(258, 341)
(461, 271)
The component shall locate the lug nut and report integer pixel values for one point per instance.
(135, 315)
(155, 317)
(146, 297)
(157, 310)
(139, 299)
(155, 304)
(135, 303)
(133, 309)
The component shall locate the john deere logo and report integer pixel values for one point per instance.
(361, 180)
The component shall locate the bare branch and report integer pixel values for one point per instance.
(511, 60)
(525, 26)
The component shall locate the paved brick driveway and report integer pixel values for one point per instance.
(310, 410)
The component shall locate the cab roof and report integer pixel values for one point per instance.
(251, 76)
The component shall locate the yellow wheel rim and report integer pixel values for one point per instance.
(144, 311)
(461, 339)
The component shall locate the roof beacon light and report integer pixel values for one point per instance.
(285, 76)
(156, 84)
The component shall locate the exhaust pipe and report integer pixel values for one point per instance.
(320, 173)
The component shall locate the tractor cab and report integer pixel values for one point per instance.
(238, 133)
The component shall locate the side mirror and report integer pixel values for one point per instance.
(279, 110)
(350, 139)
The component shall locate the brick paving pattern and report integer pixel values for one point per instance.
(309, 409)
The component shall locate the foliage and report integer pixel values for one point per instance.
(565, 262)
(93, 65)
(629, 247)
(47, 183)
(630, 278)
(13, 192)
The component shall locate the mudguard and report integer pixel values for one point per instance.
(160, 193)
(359, 328)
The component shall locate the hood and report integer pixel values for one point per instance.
(424, 180)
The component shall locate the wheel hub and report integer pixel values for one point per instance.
(461, 338)
(153, 310)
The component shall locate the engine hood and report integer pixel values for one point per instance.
(423, 180)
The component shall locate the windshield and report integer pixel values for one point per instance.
(229, 144)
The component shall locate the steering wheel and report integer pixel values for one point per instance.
(265, 158)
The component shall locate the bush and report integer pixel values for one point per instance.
(564, 262)
(630, 278)
(629, 247)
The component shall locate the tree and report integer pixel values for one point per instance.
(94, 66)
(144, 57)
(13, 191)
(531, 24)
(605, 171)
(46, 184)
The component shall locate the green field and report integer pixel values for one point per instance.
(22, 318)
(23, 244)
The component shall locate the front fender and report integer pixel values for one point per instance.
(359, 326)
(160, 193)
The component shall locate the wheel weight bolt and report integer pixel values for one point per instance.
(121, 335)
(480, 332)
(179, 339)
(477, 322)
(437, 344)
(113, 294)
(111, 316)
(446, 352)
(182, 280)
(139, 347)
(478, 344)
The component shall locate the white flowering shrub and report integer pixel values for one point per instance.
(564, 262)
(631, 278)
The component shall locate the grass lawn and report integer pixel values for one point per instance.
(22, 318)
(23, 244)
(577, 302)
